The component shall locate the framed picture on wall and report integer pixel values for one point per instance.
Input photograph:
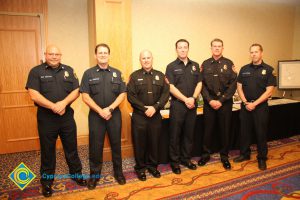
(289, 74)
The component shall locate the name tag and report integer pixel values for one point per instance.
(46, 76)
(176, 70)
(246, 73)
(94, 79)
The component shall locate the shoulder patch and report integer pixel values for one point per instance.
(75, 75)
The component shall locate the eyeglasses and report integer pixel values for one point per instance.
(54, 54)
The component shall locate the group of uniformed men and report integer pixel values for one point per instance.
(54, 86)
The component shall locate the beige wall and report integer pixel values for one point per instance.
(158, 24)
(296, 49)
(296, 42)
(68, 28)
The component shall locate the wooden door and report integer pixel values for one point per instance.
(118, 37)
(20, 50)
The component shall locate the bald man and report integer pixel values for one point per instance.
(147, 93)
(53, 87)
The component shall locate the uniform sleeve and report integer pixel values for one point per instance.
(169, 74)
(84, 86)
(75, 80)
(132, 96)
(33, 81)
(123, 85)
(271, 79)
(200, 77)
(232, 86)
(204, 92)
(163, 97)
(239, 78)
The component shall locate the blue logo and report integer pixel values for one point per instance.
(22, 176)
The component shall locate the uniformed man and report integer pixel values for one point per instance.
(185, 81)
(53, 87)
(219, 85)
(103, 90)
(147, 93)
(255, 85)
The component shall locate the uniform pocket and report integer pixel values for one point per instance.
(94, 86)
(115, 85)
(246, 79)
(157, 86)
(141, 86)
(225, 77)
(262, 81)
(47, 84)
(195, 76)
(178, 75)
(208, 77)
(68, 85)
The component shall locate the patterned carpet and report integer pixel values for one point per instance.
(244, 181)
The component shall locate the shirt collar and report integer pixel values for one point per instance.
(216, 61)
(98, 69)
(58, 68)
(178, 61)
(145, 72)
(262, 64)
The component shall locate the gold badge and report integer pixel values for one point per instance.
(114, 74)
(225, 67)
(263, 72)
(221, 70)
(66, 74)
(157, 77)
(194, 68)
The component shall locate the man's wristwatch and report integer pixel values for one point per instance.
(111, 110)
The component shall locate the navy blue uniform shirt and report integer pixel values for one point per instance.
(255, 79)
(219, 79)
(103, 85)
(147, 89)
(184, 78)
(55, 84)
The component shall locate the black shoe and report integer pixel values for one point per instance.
(241, 158)
(92, 182)
(189, 165)
(176, 169)
(262, 165)
(80, 181)
(226, 164)
(203, 161)
(155, 173)
(120, 179)
(141, 175)
(46, 190)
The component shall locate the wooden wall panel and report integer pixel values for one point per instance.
(112, 25)
(23, 6)
(22, 24)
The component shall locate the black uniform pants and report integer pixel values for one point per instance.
(145, 135)
(97, 129)
(212, 119)
(182, 125)
(254, 122)
(49, 127)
